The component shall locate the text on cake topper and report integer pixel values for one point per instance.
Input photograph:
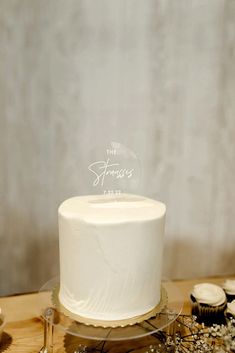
(101, 169)
(118, 171)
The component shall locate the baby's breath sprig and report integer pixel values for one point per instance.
(193, 337)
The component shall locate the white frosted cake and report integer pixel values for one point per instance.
(110, 255)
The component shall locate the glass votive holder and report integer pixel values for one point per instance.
(2, 325)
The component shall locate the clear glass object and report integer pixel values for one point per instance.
(55, 319)
(116, 171)
(2, 325)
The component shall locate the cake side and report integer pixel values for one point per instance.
(111, 271)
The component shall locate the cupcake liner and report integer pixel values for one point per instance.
(229, 316)
(230, 313)
(230, 297)
(208, 314)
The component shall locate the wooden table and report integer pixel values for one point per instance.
(24, 328)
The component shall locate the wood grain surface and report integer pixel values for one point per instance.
(24, 329)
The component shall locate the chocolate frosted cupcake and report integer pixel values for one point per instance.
(208, 303)
(229, 288)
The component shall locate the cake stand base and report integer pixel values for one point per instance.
(156, 346)
(164, 322)
(49, 318)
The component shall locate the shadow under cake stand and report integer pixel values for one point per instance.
(54, 318)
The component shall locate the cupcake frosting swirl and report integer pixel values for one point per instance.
(229, 286)
(231, 308)
(208, 293)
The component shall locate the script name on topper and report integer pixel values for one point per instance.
(107, 168)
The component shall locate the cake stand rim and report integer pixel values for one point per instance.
(174, 315)
(110, 323)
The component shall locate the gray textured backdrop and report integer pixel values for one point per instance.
(157, 76)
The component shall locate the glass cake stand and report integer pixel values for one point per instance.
(56, 319)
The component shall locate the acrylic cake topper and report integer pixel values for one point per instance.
(116, 171)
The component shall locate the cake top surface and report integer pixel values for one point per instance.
(112, 208)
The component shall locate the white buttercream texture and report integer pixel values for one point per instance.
(208, 293)
(110, 255)
(231, 308)
(229, 286)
